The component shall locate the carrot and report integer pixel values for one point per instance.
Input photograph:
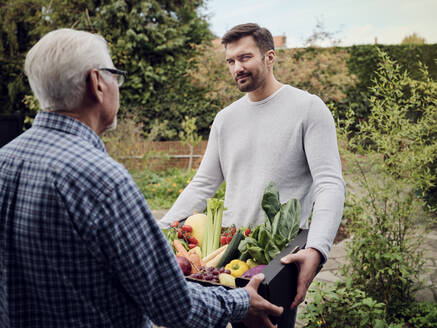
(195, 261)
(180, 248)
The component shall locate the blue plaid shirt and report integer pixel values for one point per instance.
(79, 246)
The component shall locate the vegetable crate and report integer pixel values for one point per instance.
(279, 285)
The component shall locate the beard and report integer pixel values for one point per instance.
(248, 82)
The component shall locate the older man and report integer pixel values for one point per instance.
(79, 246)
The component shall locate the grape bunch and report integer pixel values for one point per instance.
(209, 273)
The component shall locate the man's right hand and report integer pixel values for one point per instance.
(260, 308)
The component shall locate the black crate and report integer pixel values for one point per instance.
(279, 284)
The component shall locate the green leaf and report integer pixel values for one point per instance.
(258, 254)
(270, 202)
(271, 251)
(264, 237)
(290, 219)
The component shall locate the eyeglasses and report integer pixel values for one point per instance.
(119, 74)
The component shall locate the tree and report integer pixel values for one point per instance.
(152, 40)
(23, 23)
(413, 39)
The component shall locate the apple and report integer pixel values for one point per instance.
(184, 264)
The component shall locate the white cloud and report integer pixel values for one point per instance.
(358, 22)
(359, 35)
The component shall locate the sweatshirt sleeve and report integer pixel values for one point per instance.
(204, 185)
(320, 142)
(144, 266)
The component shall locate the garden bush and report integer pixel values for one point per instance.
(392, 156)
(421, 315)
(339, 306)
(402, 127)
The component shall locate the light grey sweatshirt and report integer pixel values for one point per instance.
(288, 138)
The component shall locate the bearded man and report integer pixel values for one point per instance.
(273, 133)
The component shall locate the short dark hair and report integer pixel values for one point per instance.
(262, 36)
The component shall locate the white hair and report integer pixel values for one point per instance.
(58, 64)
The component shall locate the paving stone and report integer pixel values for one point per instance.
(430, 244)
(330, 265)
(432, 235)
(433, 278)
(327, 276)
(430, 264)
(338, 251)
(425, 295)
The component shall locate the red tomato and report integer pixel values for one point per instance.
(187, 228)
(180, 235)
(223, 240)
(175, 224)
(247, 232)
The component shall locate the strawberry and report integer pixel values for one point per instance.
(223, 240)
(247, 232)
(191, 245)
(187, 228)
(175, 224)
(228, 239)
(192, 240)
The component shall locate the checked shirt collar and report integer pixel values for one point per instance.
(66, 124)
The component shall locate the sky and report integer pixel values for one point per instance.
(349, 21)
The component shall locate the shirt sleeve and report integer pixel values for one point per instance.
(143, 262)
(320, 142)
(204, 185)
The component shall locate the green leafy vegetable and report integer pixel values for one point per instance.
(281, 224)
(270, 202)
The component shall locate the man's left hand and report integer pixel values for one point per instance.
(307, 260)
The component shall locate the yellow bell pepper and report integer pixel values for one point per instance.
(237, 267)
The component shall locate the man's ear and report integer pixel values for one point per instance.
(95, 85)
(270, 57)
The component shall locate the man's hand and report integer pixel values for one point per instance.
(307, 261)
(260, 308)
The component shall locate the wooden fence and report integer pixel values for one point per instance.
(161, 155)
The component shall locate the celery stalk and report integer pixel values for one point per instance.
(218, 223)
(209, 226)
(211, 210)
(211, 241)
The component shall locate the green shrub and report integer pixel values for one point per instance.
(421, 315)
(161, 189)
(392, 154)
(363, 63)
(401, 127)
(385, 258)
(340, 305)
